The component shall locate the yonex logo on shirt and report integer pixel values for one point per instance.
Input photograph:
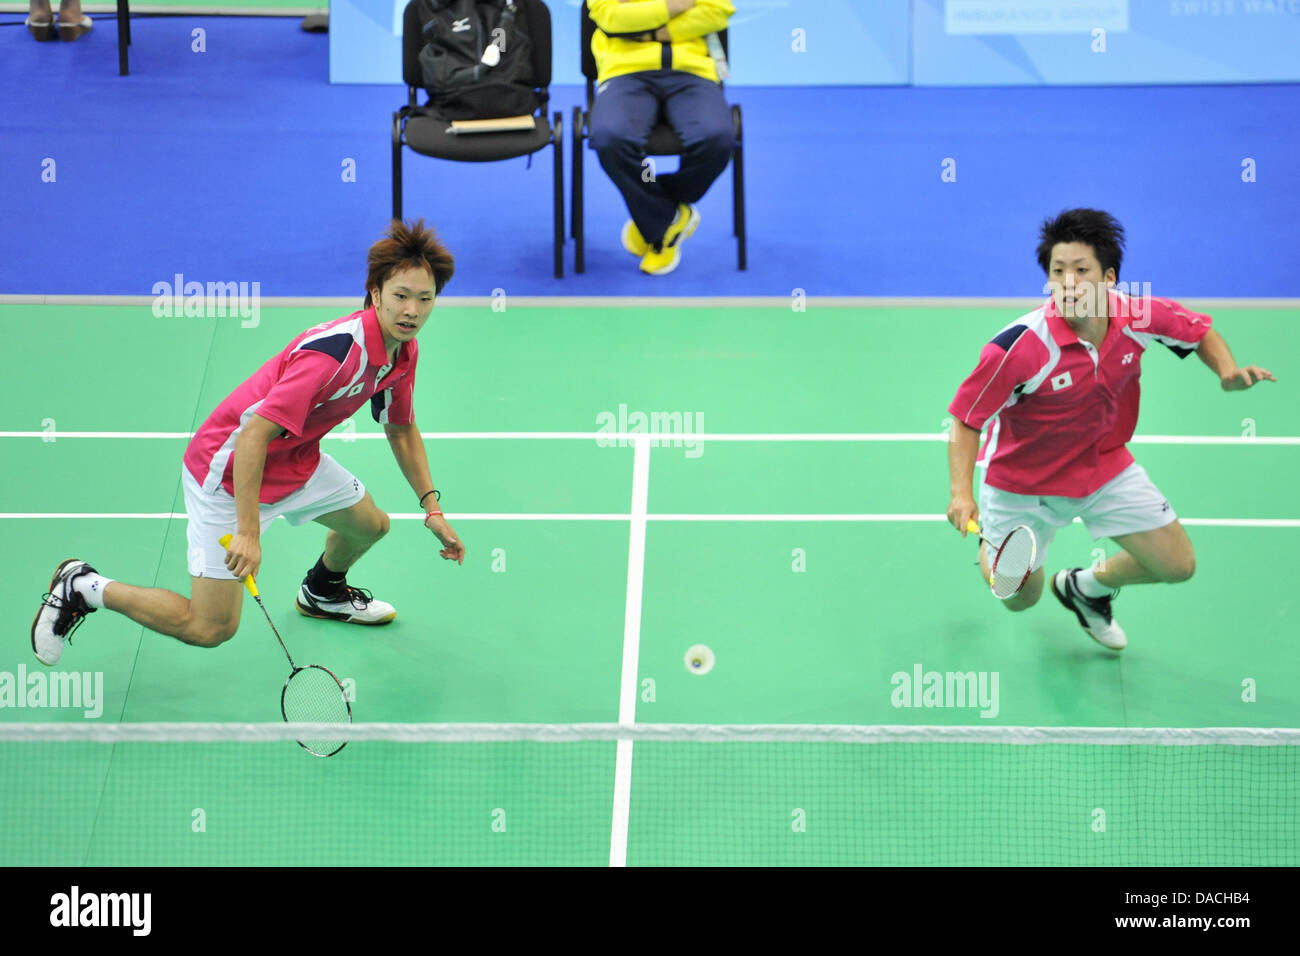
(1128, 359)
(460, 26)
(1062, 381)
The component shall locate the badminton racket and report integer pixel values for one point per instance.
(1010, 563)
(311, 694)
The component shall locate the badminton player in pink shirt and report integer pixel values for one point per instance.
(1057, 392)
(257, 457)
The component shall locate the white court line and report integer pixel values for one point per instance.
(644, 517)
(125, 515)
(674, 439)
(631, 650)
(54, 435)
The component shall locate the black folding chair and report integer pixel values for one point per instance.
(429, 136)
(663, 142)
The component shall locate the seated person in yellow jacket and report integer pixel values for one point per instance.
(652, 56)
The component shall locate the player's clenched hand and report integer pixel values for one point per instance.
(452, 547)
(1243, 378)
(962, 510)
(244, 556)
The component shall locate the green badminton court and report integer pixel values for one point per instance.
(800, 537)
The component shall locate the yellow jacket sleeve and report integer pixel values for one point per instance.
(642, 16)
(707, 16)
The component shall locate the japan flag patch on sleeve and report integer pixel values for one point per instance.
(1062, 381)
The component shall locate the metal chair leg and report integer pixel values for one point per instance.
(738, 191)
(397, 166)
(123, 35)
(576, 142)
(557, 142)
(579, 213)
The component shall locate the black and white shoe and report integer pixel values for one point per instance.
(61, 612)
(353, 605)
(1093, 613)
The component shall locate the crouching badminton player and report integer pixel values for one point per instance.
(258, 457)
(1058, 390)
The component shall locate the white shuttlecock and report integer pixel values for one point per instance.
(491, 55)
(699, 659)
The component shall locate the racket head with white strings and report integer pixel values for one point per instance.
(312, 694)
(1012, 562)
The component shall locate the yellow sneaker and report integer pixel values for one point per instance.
(664, 257)
(632, 240)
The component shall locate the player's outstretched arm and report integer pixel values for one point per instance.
(408, 449)
(244, 554)
(963, 448)
(1214, 352)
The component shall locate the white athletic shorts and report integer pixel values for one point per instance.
(1127, 504)
(330, 488)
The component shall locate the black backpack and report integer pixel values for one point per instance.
(463, 77)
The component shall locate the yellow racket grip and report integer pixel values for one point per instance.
(249, 583)
(973, 527)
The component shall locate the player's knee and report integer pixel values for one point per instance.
(379, 526)
(1028, 597)
(1021, 602)
(213, 634)
(1181, 570)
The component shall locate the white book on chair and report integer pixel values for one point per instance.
(501, 124)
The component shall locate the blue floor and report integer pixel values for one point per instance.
(227, 166)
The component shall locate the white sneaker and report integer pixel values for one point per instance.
(356, 606)
(61, 612)
(1093, 613)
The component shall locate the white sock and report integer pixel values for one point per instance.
(1086, 581)
(91, 587)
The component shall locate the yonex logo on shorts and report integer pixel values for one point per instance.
(1062, 381)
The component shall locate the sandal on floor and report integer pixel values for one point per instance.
(73, 31)
(41, 31)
